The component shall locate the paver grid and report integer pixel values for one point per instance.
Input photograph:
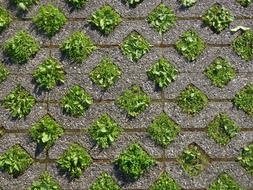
(194, 129)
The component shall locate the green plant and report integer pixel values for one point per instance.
(15, 160)
(5, 19)
(244, 99)
(225, 182)
(105, 182)
(134, 161)
(24, 5)
(244, 3)
(163, 130)
(77, 3)
(76, 101)
(21, 47)
(193, 160)
(188, 3)
(218, 18)
(135, 46)
(162, 18)
(49, 74)
(19, 102)
(105, 131)
(162, 73)
(46, 131)
(222, 129)
(220, 72)
(134, 101)
(246, 158)
(2, 131)
(3, 73)
(45, 182)
(243, 44)
(133, 3)
(190, 45)
(105, 19)
(78, 47)
(165, 182)
(105, 73)
(74, 160)
(192, 100)
(49, 19)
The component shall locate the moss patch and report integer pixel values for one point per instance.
(220, 72)
(134, 161)
(190, 45)
(134, 101)
(192, 100)
(163, 130)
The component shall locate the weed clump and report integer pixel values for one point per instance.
(5, 19)
(3, 73)
(105, 181)
(165, 182)
(246, 158)
(78, 4)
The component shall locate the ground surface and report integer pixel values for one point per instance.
(194, 129)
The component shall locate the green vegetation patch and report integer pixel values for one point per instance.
(24, 5)
(74, 160)
(21, 47)
(162, 73)
(105, 131)
(78, 4)
(105, 19)
(78, 47)
(49, 19)
(45, 182)
(105, 182)
(15, 160)
(193, 160)
(76, 101)
(218, 18)
(246, 158)
(134, 161)
(133, 3)
(190, 45)
(134, 101)
(188, 3)
(19, 102)
(165, 182)
(5, 19)
(49, 74)
(46, 131)
(4, 72)
(244, 3)
(162, 18)
(244, 99)
(243, 45)
(135, 46)
(105, 74)
(2, 131)
(222, 129)
(163, 130)
(225, 182)
(192, 100)
(220, 72)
